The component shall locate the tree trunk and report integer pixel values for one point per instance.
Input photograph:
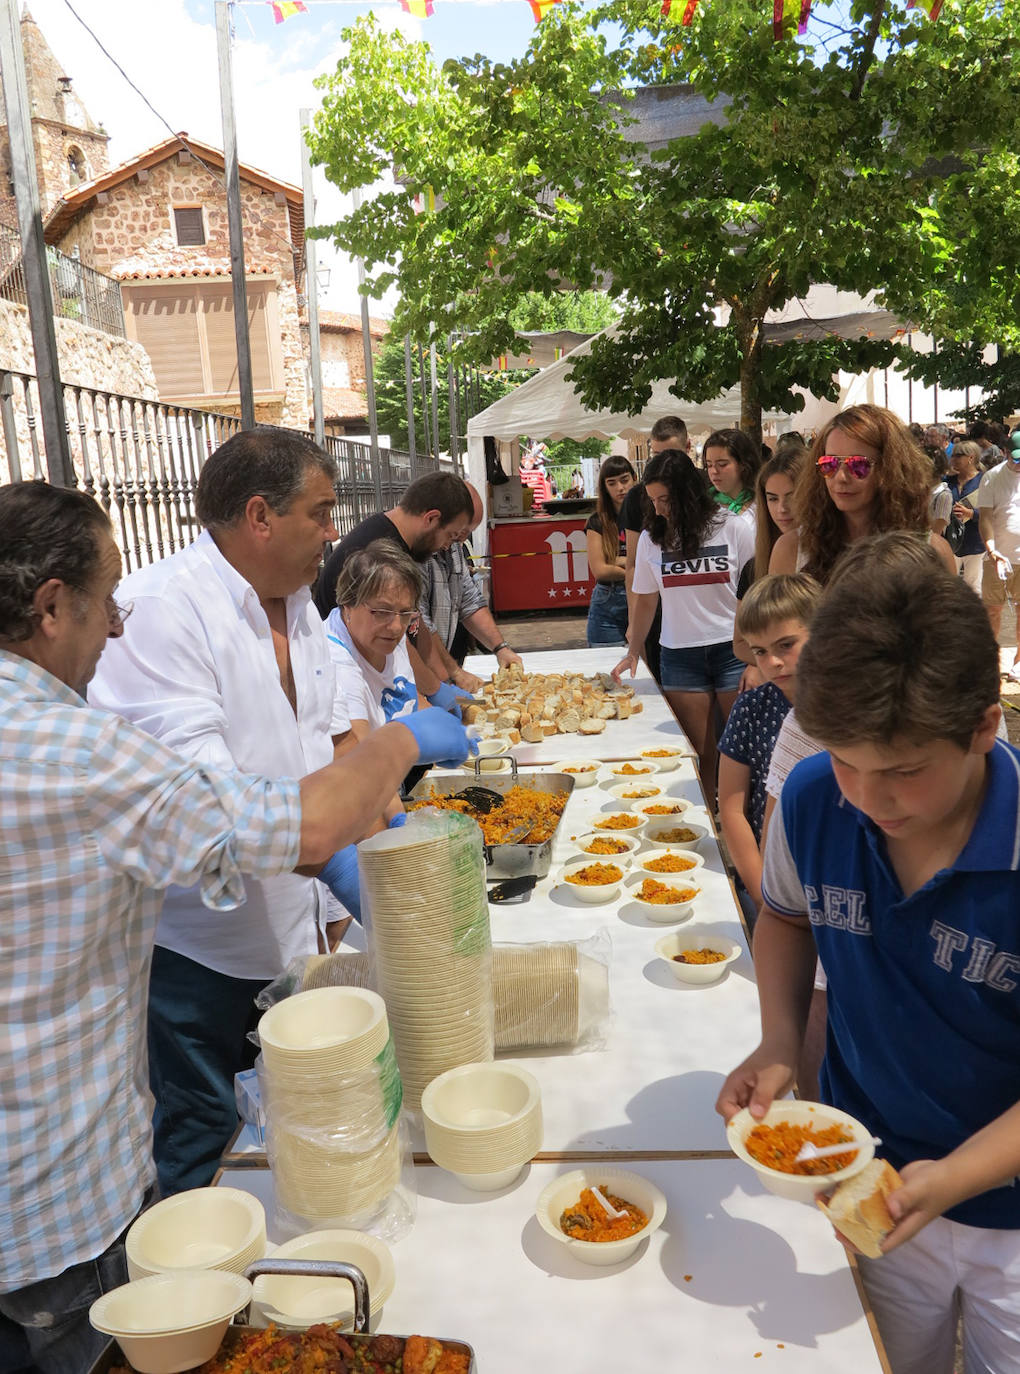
(750, 383)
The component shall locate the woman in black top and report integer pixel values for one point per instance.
(607, 555)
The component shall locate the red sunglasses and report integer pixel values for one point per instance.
(856, 465)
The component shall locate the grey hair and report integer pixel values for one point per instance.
(367, 572)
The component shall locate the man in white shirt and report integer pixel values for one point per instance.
(226, 661)
(998, 506)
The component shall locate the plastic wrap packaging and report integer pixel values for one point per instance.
(423, 888)
(331, 1096)
(544, 995)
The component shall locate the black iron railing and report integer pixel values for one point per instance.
(79, 292)
(141, 459)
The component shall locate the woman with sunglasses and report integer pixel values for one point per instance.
(377, 603)
(864, 475)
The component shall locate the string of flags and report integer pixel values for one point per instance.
(788, 16)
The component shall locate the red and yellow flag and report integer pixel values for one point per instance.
(540, 8)
(284, 9)
(789, 15)
(688, 14)
(421, 9)
(502, 363)
(932, 8)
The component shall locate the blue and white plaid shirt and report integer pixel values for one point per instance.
(96, 818)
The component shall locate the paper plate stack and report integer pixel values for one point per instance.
(332, 1096)
(423, 887)
(547, 994)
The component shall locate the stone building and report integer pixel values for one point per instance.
(69, 146)
(342, 353)
(158, 224)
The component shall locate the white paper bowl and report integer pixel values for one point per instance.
(343, 1028)
(558, 1195)
(611, 771)
(653, 832)
(171, 1322)
(678, 807)
(490, 755)
(203, 1228)
(491, 1182)
(600, 827)
(632, 843)
(668, 764)
(666, 913)
(642, 863)
(619, 790)
(586, 779)
(697, 937)
(483, 1122)
(595, 893)
(301, 1302)
(799, 1187)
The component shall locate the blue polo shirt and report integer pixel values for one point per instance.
(923, 1040)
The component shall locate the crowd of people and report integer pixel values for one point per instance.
(192, 755)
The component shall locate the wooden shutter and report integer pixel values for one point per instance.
(218, 315)
(189, 226)
(164, 320)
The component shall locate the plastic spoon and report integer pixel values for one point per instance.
(611, 1211)
(809, 1151)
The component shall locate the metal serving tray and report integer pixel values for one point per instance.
(112, 1356)
(506, 860)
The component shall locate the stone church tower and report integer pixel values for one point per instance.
(69, 146)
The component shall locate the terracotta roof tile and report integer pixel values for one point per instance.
(341, 403)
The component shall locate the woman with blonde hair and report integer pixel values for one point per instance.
(864, 475)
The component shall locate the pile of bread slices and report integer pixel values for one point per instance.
(531, 706)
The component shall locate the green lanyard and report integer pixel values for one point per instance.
(734, 503)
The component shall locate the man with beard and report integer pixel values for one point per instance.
(434, 512)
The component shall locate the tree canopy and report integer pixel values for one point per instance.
(875, 153)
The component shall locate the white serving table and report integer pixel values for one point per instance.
(733, 1274)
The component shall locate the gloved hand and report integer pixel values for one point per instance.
(440, 737)
(449, 698)
(340, 874)
(398, 820)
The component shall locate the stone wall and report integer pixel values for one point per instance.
(86, 357)
(131, 236)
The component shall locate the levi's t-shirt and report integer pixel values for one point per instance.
(699, 594)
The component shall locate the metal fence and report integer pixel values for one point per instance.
(141, 459)
(79, 292)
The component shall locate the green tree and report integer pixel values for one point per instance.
(584, 312)
(850, 157)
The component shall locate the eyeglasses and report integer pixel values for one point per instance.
(117, 612)
(383, 616)
(856, 465)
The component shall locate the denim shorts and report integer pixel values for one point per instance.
(705, 668)
(607, 614)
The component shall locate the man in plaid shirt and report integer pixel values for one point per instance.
(98, 818)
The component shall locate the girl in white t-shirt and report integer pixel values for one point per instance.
(690, 554)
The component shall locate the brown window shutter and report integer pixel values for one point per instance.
(165, 323)
(188, 226)
(218, 309)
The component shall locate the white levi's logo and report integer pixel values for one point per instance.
(712, 564)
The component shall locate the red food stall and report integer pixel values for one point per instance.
(539, 563)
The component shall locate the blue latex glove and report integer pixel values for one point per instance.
(398, 820)
(340, 874)
(449, 698)
(440, 737)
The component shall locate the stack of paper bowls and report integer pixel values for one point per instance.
(483, 1122)
(423, 886)
(547, 994)
(203, 1228)
(332, 1097)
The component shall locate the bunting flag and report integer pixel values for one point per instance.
(688, 15)
(421, 9)
(284, 9)
(424, 201)
(790, 15)
(540, 8)
(557, 354)
(932, 8)
(502, 363)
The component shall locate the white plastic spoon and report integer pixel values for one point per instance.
(809, 1151)
(611, 1211)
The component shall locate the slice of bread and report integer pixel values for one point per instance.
(857, 1207)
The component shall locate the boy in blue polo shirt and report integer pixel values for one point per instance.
(896, 856)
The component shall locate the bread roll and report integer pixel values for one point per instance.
(857, 1206)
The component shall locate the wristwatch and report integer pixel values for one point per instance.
(501, 645)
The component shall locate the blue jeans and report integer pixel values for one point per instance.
(607, 615)
(198, 1040)
(44, 1328)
